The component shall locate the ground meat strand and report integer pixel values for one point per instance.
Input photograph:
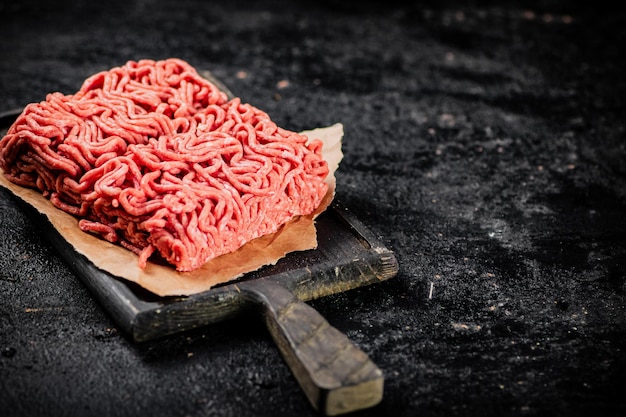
(155, 158)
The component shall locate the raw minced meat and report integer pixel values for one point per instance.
(155, 158)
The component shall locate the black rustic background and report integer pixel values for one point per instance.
(484, 143)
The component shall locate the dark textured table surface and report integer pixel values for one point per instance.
(484, 145)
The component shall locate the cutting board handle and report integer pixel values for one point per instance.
(336, 376)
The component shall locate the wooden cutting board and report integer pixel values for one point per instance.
(336, 376)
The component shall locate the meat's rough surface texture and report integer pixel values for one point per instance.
(155, 158)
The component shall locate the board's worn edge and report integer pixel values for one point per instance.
(191, 312)
(369, 268)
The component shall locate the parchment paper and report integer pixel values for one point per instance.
(297, 235)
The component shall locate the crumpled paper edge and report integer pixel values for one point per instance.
(297, 235)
